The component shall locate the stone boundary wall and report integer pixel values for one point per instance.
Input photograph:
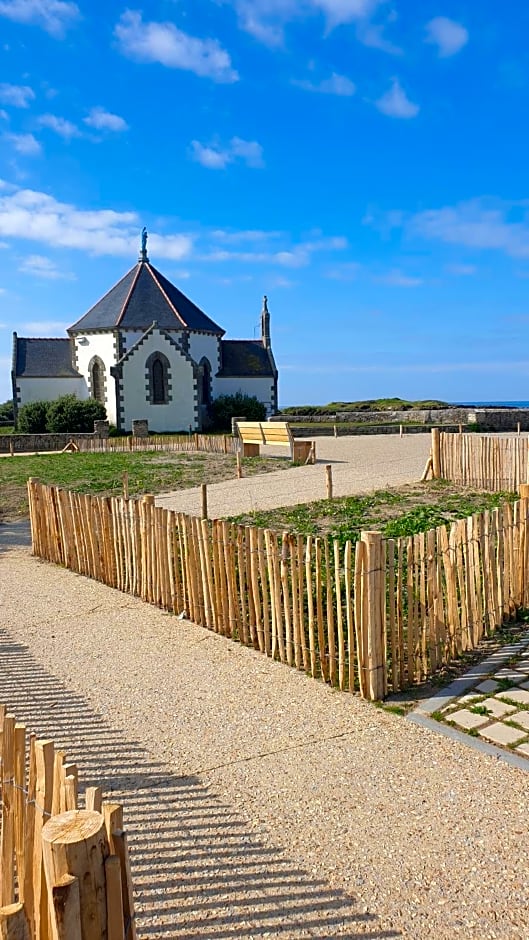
(38, 443)
(493, 419)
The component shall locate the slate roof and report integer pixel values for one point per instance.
(44, 358)
(142, 297)
(244, 357)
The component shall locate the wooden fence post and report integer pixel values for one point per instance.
(13, 923)
(436, 453)
(75, 843)
(328, 479)
(204, 494)
(239, 466)
(125, 484)
(373, 621)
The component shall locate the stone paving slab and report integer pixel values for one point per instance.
(501, 733)
(466, 719)
(506, 721)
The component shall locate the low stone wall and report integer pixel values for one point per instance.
(38, 443)
(490, 419)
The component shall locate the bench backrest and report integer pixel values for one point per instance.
(265, 432)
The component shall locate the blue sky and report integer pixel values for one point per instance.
(362, 162)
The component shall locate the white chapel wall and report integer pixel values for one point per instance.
(260, 386)
(201, 344)
(48, 389)
(179, 413)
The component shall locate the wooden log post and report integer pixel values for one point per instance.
(374, 615)
(519, 429)
(11, 449)
(239, 466)
(204, 501)
(67, 908)
(13, 923)
(401, 430)
(328, 480)
(125, 484)
(436, 453)
(75, 843)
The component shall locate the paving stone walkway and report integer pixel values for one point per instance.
(496, 708)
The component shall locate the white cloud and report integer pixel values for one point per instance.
(295, 256)
(18, 96)
(348, 271)
(105, 120)
(215, 157)
(396, 278)
(54, 16)
(479, 223)
(245, 235)
(335, 85)
(168, 45)
(35, 216)
(25, 144)
(395, 103)
(447, 35)
(40, 266)
(59, 126)
(266, 19)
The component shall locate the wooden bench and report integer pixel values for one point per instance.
(253, 434)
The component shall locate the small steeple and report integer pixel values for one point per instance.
(143, 253)
(265, 323)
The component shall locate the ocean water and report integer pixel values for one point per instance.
(492, 404)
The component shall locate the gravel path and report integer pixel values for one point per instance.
(260, 803)
(358, 464)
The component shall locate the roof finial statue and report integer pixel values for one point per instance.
(144, 237)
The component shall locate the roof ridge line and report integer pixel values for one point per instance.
(127, 298)
(168, 299)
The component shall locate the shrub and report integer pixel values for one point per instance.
(226, 407)
(72, 415)
(32, 418)
(7, 412)
(67, 414)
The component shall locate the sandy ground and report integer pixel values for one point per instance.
(358, 464)
(261, 803)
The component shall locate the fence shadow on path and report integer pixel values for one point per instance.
(198, 868)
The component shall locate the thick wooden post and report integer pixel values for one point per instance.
(204, 501)
(374, 615)
(239, 466)
(13, 923)
(75, 843)
(125, 484)
(328, 480)
(436, 453)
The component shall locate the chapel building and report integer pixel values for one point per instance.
(146, 352)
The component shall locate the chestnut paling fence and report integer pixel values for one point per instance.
(64, 872)
(492, 463)
(207, 443)
(374, 616)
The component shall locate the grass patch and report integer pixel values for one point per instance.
(479, 710)
(102, 474)
(393, 709)
(402, 511)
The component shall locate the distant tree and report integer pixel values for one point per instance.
(73, 415)
(32, 418)
(6, 411)
(226, 407)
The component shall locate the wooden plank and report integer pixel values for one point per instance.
(392, 596)
(330, 613)
(13, 923)
(44, 763)
(66, 908)
(7, 843)
(301, 603)
(114, 898)
(310, 604)
(285, 553)
(19, 805)
(254, 579)
(29, 884)
(319, 613)
(265, 592)
(339, 615)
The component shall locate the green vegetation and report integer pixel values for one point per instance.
(6, 412)
(372, 404)
(398, 512)
(226, 407)
(67, 414)
(102, 474)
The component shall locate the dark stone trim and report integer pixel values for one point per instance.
(15, 390)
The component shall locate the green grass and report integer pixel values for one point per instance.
(398, 512)
(370, 404)
(102, 474)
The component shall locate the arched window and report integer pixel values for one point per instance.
(97, 379)
(206, 381)
(158, 378)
